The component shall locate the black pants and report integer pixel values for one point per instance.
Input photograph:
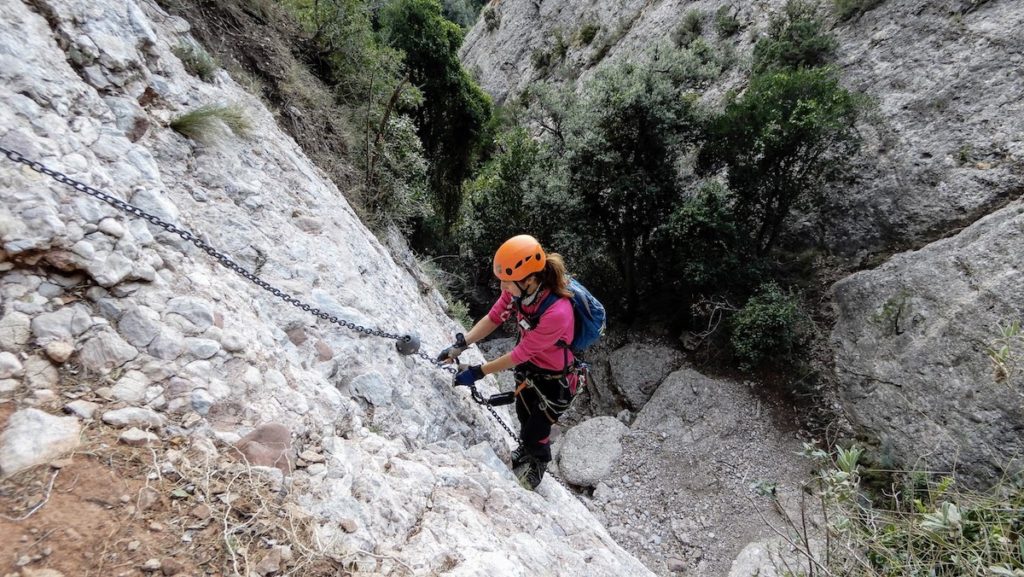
(540, 401)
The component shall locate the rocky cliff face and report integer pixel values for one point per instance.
(914, 351)
(947, 76)
(126, 325)
(943, 152)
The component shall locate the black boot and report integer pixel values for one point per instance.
(531, 473)
(518, 456)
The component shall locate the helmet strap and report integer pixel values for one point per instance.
(525, 298)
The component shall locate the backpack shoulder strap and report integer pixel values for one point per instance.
(549, 300)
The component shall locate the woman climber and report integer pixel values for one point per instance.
(544, 375)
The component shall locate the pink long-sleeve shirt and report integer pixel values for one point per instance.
(539, 346)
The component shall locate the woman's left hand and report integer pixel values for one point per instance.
(469, 376)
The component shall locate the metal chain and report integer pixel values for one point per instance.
(202, 245)
(226, 262)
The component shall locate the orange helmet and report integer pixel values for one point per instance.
(518, 258)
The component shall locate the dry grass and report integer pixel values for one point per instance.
(206, 123)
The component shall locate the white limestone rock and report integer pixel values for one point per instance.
(139, 326)
(134, 417)
(131, 388)
(10, 366)
(105, 351)
(63, 324)
(59, 351)
(33, 437)
(15, 331)
(81, 408)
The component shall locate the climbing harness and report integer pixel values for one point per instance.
(408, 344)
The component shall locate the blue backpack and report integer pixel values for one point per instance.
(587, 311)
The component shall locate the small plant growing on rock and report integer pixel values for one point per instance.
(492, 20)
(197, 61)
(204, 123)
(689, 29)
(846, 9)
(587, 33)
(726, 21)
(923, 524)
(1003, 351)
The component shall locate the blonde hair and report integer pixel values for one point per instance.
(554, 276)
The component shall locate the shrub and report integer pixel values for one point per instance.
(726, 22)
(628, 132)
(205, 123)
(689, 29)
(197, 61)
(492, 20)
(769, 328)
(846, 9)
(697, 65)
(540, 58)
(795, 40)
(586, 33)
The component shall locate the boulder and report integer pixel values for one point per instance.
(590, 450)
(916, 342)
(637, 369)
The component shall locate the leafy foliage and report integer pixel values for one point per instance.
(689, 28)
(492, 20)
(795, 40)
(396, 192)
(769, 327)
(452, 120)
(726, 22)
(344, 48)
(629, 133)
(586, 33)
(701, 243)
(787, 135)
(927, 525)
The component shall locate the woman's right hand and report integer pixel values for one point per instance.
(451, 353)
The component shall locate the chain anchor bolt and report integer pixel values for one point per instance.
(408, 344)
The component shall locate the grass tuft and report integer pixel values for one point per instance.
(197, 61)
(205, 123)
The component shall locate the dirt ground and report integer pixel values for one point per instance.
(113, 510)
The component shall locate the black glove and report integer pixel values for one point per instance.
(455, 350)
(469, 376)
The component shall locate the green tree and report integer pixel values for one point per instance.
(496, 206)
(780, 142)
(451, 122)
(795, 40)
(627, 136)
(701, 243)
(343, 49)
